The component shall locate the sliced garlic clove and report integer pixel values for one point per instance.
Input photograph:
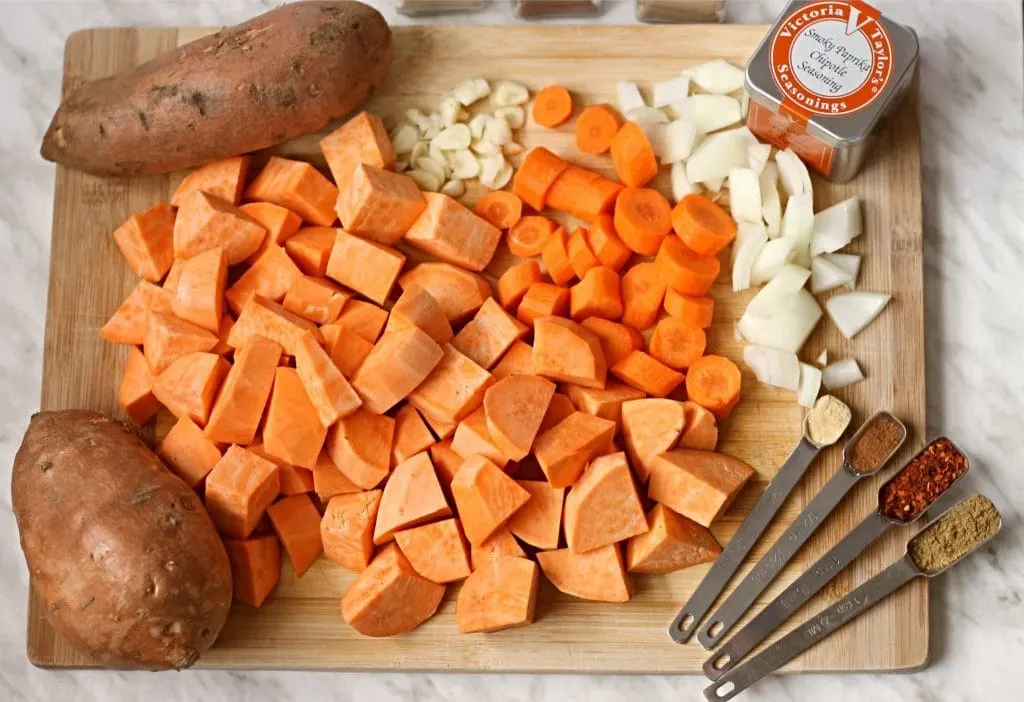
(429, 165)
(454, 138)
(404, 137)
(507, 93)
(454, 188)
(451, 111)
(426, 180)
(464, 164)
(497, 131)
(514, 116)
(485, 148)
(477, 124)
(512, 149)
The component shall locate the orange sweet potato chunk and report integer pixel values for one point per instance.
(564, 450)
(238, 491)
(365, 266)
(360, 446)
(362, 139)
(566, 351)
(650, 427)
(398, 363)
(485, 498)
(500, 543)
(412, 496)
(347, 528)
(603, 507)
(436, 551)
(697, 484)
(500, 595)
(454, 388)
(378, 204)
(328, 481)
(129, 322)
(135, 394)
(411, 435)
(539, 521)
(188, 386)
(255, 567)
(146, 240)
(297, 523)
(595, 575)
(243, 396)
(448, 230)
(672, 543)
(298, 186)
(189, 454)
(292, 430)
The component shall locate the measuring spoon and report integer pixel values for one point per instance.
(729, 561)
(795, 536)
(829, 620)
(813, 579)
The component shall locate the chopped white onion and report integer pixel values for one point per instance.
(826, 276)
(788, 328)
(714, 185)
(745, 196)
(784, 284)
(822, 359)
(757, 156)
(629, 97)
(797, 223)
(716, 156)
(750, 237)
(810, 385)
(717, 76)
(771, 204)
(744, 104)
(793, 173)
(681, 187)
(853, 311)
(668, 91)
(672, 142)
(847, 262)
(773, 367)
(645, 117)
(836, 226)
(774, 255)
(708, 112)
(840, 374)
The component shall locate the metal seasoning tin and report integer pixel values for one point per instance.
(823, 78)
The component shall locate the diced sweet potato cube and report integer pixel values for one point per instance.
(270, 276)
(188, 386)
(500, 543)
(136, 392)
(146, 240)
(316, 299)
(255, 567)
(411, 435)
(649, 428)
(378, 204)
(603, 506)
(436, 551)
(539, 521)
(559, 408)
(199, 295)
(169, 338)
(310, 248)
(398, 363)
(500, 595)
(223, 178)
(328, 481)
(129, 322)
(701, 430)
(262, 317)
(564, 450)
(485, 498)
(347, 349)
(412, 496)
(362, 139)
(325, 386)
(603, 402)
(292, 430)
(543, 300)
(617, 340)
(189, 454)
(489, 334)
(416, 307)
(452, 232)
(515, 407)
(518, 360)
(243, 396)
(205, 222)
(594, 575)
(453, 390)
(360, 445)
(298, 186)
(697, 484)
(365, 266)
(238, 491)
(347, 528)
(363, 318)
(446, 463)
(565, 351)
(672, 543)
(297, 523)
(280, 222)
(441, 430)
(643, 371)
(473, 438)
(459, 292)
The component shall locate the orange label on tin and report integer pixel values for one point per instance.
(785, 132)
(831, 58)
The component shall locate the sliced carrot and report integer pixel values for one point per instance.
(363, 318)
(459, 292)
(205, 222)
(701, 430)
(360, 446)
(255, 567)
(485, 498)
(297, 524)
(452, 233)
(603, 506)
(555, 255)
(362, 139)
(566, 191)
(199, 295)
(552, 106)
(603, 402)
(379, 205)
(271, 276)
(703, 225)
(416, 307)
(559, 408)
(446, 463)
(633, 156)
(347, 349)
(279, 222)
(597, 294)
(411, 435)
(515, 406)
(389, 597)
(543, 300)
(238, 491)
(596, 126)
(473, 438)
(188, 386)
(399, 362)
(490, 333)
(672, 543)
(169, 338)
(436, 551)
(513, 283)
(564, 450)
(714, 382)
(606, 244)
(642, 219)
(224, 179)
(677, 344)
(500, 595)
(617, 340)
(528, 236)
(325, 386)
(292, 430)
(595, 575)
(146, 240)
(597, 199)
(517, 360)
(642, 293)
(697, 484)
(500, 207)
(261, 317)
(581, 258)
(684, 270)
(538, 171)
(189, 454)
(412, 496)
(298, 186)
(365, 266)
(650, 427)
(647, 373)
(328, 481)
(129, 322)
(136, 392)
(243, 396)
(567, 352)
(694, 311)
(310, 249)
(539, 521)
(347, 528)
(500, 543)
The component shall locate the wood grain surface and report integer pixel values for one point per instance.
(301, 626)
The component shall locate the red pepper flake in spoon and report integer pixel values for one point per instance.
(922, 481)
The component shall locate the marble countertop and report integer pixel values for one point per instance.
(973, 140)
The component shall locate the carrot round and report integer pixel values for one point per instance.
(596, 295)
(684, 270)
(606, 244)
(501, 208)
(552, 106)
(595, 128)
(695, 311)
(633, 156)
(596, 199)
(555, 255)
(642, 293)
(514, 283)
(714, 382)
(703, 225)
(538, 171)
(566, 191)
(581, 258)
(528, 236)
(677, 344)
(643, 218)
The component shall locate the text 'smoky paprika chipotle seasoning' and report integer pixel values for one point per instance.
(922, 481)
(823, 78)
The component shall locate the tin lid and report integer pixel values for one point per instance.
(837, 65)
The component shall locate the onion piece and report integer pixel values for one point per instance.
(786, 330)
(745, 196)
(668, 91)
(797, 222)
(836, 226)
(853, 311)
(771, 204)
(716, 156)
(681, 187)
(744, 104)
(774, 255)
(708, 112)
(629, 96)
(646, 117)
(822, 359)
(848, 262)
(714, 185)
(773, 367)
(840, 374)
(793, 173)
(672, 142)
(810, 385)
(826, 276)
(757, 156)
(750, 237)
(718, 77)
(787, 282)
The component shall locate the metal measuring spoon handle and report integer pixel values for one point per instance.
(777, 557)
(729, 561)
(812, 631)
(795, 596)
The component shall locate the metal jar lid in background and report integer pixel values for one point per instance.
(823, 78)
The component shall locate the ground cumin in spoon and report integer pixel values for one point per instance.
(954, 534)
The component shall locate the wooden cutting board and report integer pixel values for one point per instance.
(300, 626)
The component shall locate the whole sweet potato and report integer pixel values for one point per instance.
(125, 558)
(283, 74)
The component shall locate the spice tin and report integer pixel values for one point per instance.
(824, 77)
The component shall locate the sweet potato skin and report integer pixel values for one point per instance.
(128, 564)
(283, 74)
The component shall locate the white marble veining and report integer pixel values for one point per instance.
(973, 124)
